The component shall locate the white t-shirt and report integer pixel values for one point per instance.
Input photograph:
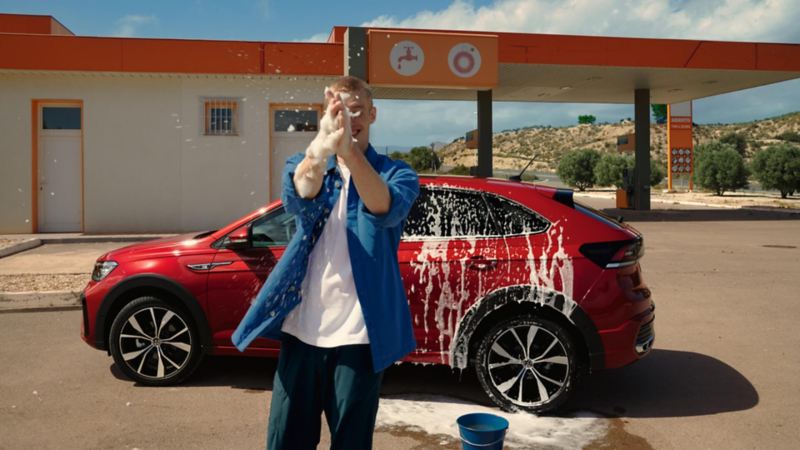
(329, 313)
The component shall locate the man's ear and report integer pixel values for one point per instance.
(373, 114)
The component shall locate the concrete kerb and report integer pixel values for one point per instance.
(612, 196)
(27, 244)
(37, 240)
(34, 301)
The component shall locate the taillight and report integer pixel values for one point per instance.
(614, 254)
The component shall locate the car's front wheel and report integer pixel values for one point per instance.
(154, 343)
(527, 363)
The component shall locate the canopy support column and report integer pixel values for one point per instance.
(641, 171)
(484, 134)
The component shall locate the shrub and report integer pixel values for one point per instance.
(459, 170)
(610, 167)
(577, 168)
(399, 155)
(588, 118)
(658, 171)
(778, 167)
(719, 167)
(789, 136)
(421, 159)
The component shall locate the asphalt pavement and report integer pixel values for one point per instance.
(722, 374)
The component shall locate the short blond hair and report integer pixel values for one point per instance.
(351, 84)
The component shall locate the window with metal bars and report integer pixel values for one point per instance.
(221, 116)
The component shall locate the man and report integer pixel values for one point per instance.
(335, 298)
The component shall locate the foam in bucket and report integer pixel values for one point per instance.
(482, 431)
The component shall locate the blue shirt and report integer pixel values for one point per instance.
(372, 240)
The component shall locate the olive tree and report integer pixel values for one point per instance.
(609, 170)
(576, 168)
(657, 171)
(421, 159)
(719, 167)
(778, 167)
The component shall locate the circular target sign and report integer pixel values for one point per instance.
(406, 58)
(464, 60)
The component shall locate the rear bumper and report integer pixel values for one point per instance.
(630, 341)
(645, 338)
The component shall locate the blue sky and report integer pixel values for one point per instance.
(406, 123)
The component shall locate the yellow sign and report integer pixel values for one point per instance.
(433, 60)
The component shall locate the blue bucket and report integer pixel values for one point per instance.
(482, 431)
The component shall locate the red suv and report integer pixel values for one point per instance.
(516, 280)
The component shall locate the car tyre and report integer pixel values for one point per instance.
(528, 363)
(154, 343)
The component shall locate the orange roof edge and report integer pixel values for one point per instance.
(42, 43)
(32, 24)
(78, 53)
(523, 48)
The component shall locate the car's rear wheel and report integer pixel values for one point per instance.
(527, 363)
(154, 343)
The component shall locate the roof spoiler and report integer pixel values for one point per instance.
(563, 196)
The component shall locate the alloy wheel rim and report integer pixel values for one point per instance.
(155, 342)
(527, 365)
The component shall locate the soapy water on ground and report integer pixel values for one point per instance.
(436, 415)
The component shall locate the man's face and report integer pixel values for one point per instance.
(360, 102)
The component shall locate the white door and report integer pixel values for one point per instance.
(293, 128)
(59, 163)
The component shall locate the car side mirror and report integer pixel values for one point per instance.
(239, 238)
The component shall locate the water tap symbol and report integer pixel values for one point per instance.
(407, 57)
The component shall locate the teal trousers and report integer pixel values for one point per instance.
(311, 380)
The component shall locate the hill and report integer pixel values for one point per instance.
(513, 148)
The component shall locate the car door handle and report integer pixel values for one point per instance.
(481, 263)
(208, 266)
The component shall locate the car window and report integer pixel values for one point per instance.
(274, 229)
(446, 212)
(512, 218)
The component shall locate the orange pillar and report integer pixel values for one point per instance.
(680, 149)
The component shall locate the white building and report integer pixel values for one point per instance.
(114, 135)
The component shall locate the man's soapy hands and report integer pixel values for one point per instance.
(335, 135)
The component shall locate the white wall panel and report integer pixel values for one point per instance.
(147, 165)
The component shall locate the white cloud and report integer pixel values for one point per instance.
(319, 37)
(411, 123)
(760, 20)
(128, 25)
